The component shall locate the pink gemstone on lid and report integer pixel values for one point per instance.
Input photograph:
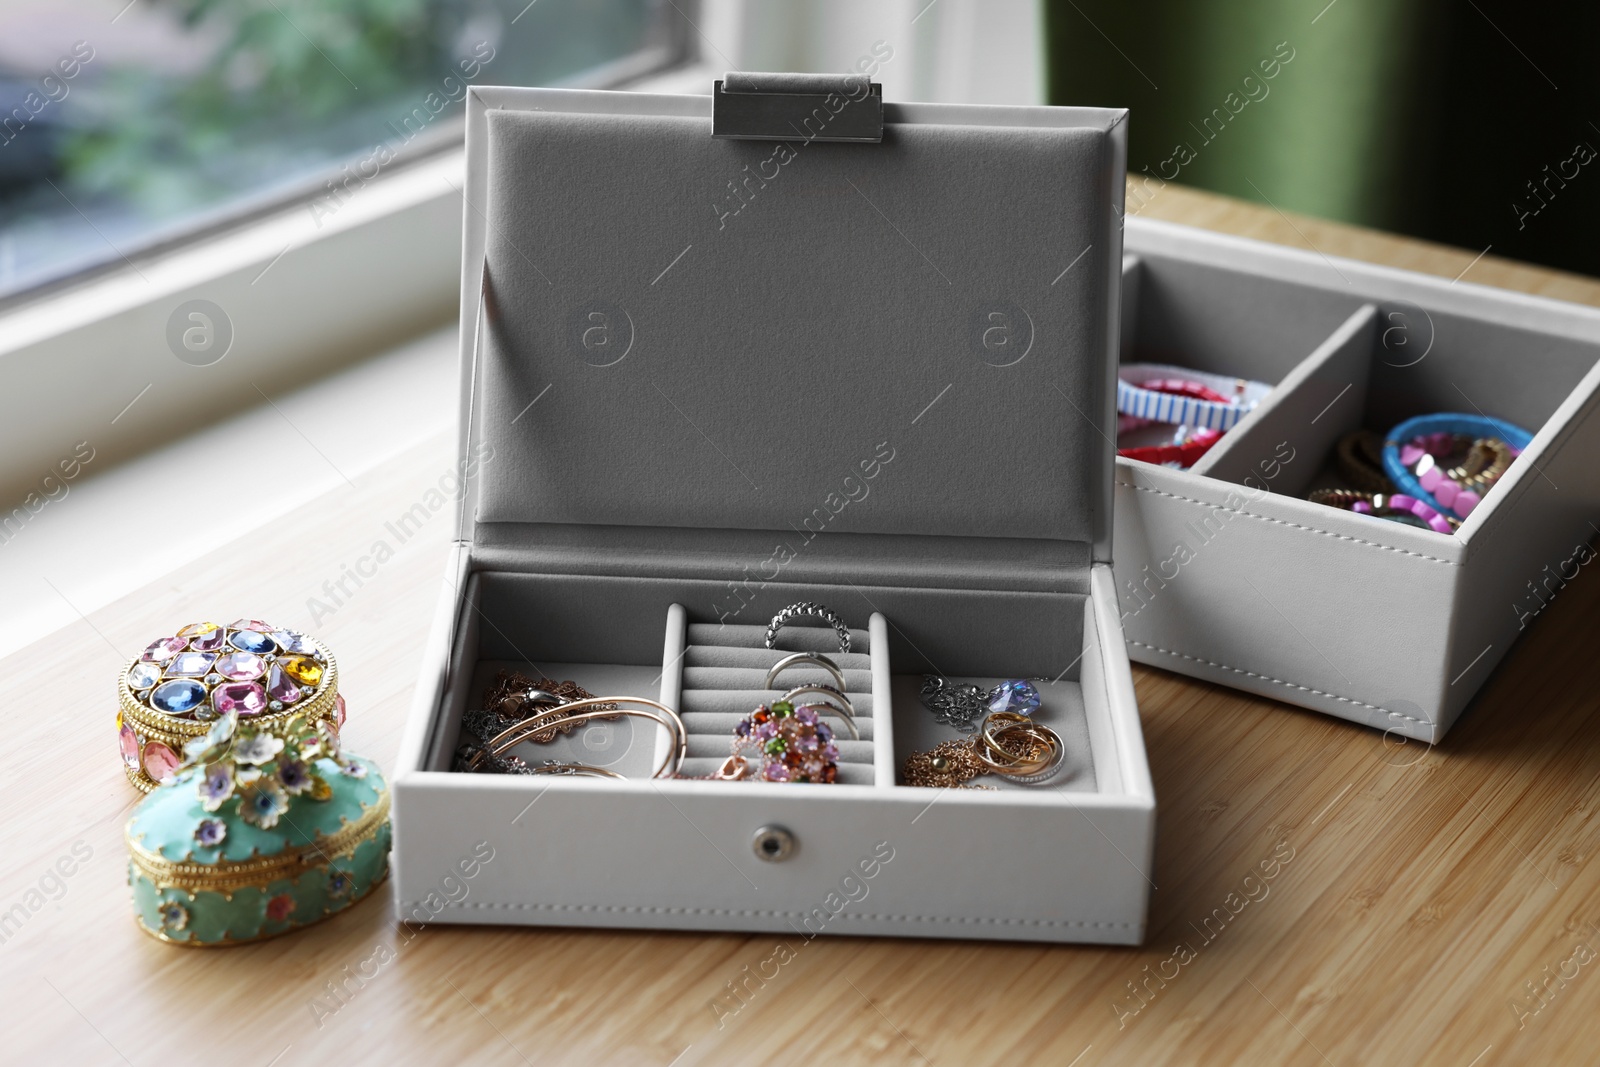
(1465, 502)
(128, 741)
(163, 650)
(281, 687)
(159, 761)
(241, 666)
(250, 624)
(243, 698)
(1447, 492)
(338, 711)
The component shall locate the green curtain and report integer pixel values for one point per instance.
(1428, 117)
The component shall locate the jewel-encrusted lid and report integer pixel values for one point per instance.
(248, 667)
(183, 683)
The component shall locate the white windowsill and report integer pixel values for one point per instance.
(380, 276)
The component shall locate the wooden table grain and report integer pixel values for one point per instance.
(1426, 906)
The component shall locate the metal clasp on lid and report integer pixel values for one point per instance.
(808, 107)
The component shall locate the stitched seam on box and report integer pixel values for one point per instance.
(639, 909)
(1280, 681)
(1292, 525)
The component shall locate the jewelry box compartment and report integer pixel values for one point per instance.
(687, 854)
(1227, 573)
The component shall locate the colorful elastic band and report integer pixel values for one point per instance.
(1462, 502)
(1185, 454)
(1178, 400)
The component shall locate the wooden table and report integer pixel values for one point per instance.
(1426, 892)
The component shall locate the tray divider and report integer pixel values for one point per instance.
(883, 749)
(1310, 409)
(672, 654)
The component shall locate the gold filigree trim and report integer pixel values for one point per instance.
(226, 942)
(225, 877)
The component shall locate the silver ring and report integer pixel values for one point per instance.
(814, 659)
(806, 609)
(845, 710)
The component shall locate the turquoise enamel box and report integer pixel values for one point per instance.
(260, 831)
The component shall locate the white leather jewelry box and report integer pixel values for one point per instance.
(704, 378)
(1226, 574)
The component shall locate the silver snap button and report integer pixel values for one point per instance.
(773, 844)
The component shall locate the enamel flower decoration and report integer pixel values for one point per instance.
(353, 769)
(339, 884)
(210, 833)
(174, 916)
(262, 801)
(216, 785)
(280, 908)
(214, 744)
(257, 748)
(294, 776)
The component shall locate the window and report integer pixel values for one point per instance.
(126, 125)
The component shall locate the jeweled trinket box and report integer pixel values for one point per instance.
(264, 828)
(181, 684)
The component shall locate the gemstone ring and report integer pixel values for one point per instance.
(794, 744)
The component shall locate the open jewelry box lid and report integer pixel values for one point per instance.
(667, 334)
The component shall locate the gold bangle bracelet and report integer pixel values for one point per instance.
(580, 711)
(576, 770)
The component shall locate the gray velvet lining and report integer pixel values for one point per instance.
(606, 634)
(600, 619)
(716, 696)
(763, 341)
(878, 559)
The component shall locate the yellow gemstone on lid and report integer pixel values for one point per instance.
(197, 629)
(302, 669)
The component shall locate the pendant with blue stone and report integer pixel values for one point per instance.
(961, 704)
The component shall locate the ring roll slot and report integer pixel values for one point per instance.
(720, 674)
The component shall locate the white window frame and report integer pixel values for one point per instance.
(308, 294)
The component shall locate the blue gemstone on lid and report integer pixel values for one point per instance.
(1015, 696)
(252, 641)
(178, 696)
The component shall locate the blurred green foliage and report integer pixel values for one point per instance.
(284, 73)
